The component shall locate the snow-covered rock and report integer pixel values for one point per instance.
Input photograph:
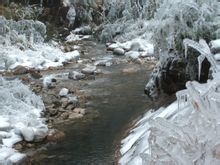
(89, 69)
(119, 51)
(76, 75)
(132, 54)
(63, 92)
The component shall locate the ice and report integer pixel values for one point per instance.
(20, 118)
(185, 132)
(23, 44)
(71, 14)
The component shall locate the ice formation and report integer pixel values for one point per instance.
(187, 131)
(22, 43)
(20, 118)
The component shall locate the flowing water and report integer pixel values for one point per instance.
(119, 98)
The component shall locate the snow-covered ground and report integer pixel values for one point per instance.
(185, 132)
(20, 119)
(42, 56)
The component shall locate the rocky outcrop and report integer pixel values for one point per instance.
(171, 74)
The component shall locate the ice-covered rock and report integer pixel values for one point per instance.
(119, 51)
(132, 54)
(89, 69)
(76, 75)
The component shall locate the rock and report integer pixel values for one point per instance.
(113, 46)
(49, 82)
(19, 70)
(76, 75)
(135, 46)
(70, 107)
(119, 51)
(52, 111)
(130, 70)
(63, 92)
(18, 146)
(64, 115)
(40, 133)
(27, 133)
(29, 145)
(89, 69)
(85, 30)
(132, 55)
(35, 73)
(64, 102)
(55, 135)
(80, 111)
(75, 116)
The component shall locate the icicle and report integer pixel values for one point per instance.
(202, 48)
(200, 60)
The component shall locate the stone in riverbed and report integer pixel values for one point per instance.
(19, 70)
(119, 51)
(55, 135)
(64, 92)
(132, 55)
(80, 111)
(75, 115)
(76, 75)
(89, 69)
(64, 115)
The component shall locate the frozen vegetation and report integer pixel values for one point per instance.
(187, 131)
(22, 43)
(20, 119)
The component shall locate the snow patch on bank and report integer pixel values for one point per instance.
(42, 56)
(20, 118)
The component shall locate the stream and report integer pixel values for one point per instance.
(120, 100)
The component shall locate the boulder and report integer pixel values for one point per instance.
(119, 51)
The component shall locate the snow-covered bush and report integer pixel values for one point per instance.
(20, 118)
(22, 32)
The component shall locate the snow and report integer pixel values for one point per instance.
(185, 132)
(64, 92)
(72, 37)
(20, 118)
(42, 57)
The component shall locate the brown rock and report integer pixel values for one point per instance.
(75, 116)
(80, 111)
(18, 146)
(64, 115)
(55, 135)
(19, 70)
